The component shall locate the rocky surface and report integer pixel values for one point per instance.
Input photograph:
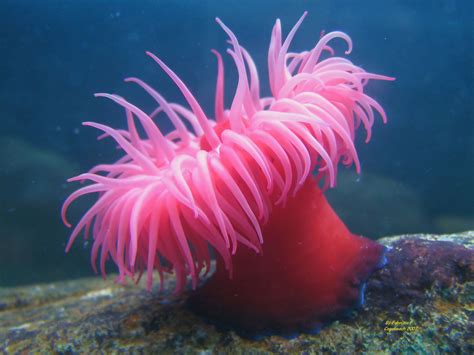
(402, 212)
(32, 187)
(422, 301)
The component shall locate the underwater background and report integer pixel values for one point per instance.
(417, 171)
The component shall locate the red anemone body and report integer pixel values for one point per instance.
(311, 269)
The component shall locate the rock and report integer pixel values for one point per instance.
(378, 205)
(447, 223)
(32, 176)
(421, 302)
(32, 188)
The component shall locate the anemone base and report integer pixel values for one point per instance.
(311, 270)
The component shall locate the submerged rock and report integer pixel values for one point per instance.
(422, 301)
(32, 185)
(450, 223)
(384, 206)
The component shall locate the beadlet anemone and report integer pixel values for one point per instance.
(246, 185)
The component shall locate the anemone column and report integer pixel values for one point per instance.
(311, 269)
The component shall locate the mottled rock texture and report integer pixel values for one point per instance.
(422, 301)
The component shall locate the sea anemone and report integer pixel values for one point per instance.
(248, 184)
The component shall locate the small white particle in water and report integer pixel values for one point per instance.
(76, 131)
(96, 294)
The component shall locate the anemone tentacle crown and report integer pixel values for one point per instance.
(171, 195)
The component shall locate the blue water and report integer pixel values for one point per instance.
(417, 170)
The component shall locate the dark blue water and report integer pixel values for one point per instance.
(417, 170)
